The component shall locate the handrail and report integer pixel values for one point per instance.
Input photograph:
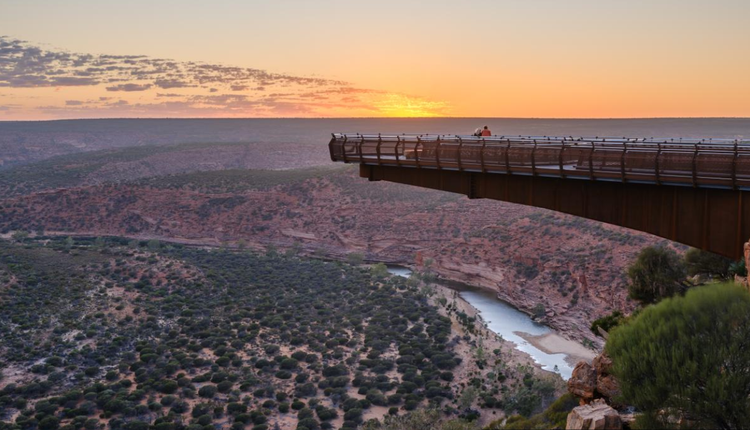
(691, 162)
(558, 139)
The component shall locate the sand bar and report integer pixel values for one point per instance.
(553, 343)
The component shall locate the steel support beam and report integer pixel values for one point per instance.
(716, 220)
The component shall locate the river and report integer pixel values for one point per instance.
(506, 321)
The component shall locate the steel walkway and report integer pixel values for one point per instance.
(690, 191)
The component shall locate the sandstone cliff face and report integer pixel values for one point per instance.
(573, 267)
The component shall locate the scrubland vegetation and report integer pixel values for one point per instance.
(124, 334)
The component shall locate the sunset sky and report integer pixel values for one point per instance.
(287, 58)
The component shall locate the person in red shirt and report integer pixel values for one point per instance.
(486, 131)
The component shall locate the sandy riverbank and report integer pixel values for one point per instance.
(553, 343)
(549, 343)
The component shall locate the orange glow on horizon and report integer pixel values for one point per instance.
(335, 58)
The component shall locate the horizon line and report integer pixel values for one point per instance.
(375, 117)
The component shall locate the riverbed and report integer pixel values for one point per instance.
(547, 348)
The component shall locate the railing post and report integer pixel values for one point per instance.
(622, 161)
(591, 161)
(437, 153)
(460, 146)
(734, 166)
(560, 158)
(416, 152)
(343, 149)
(507, 159)
(658, 154)
(359, 147)
(695, 166)
(377, 148)
(533, 161)
(330, 147)
(481, 155)
(398, 141)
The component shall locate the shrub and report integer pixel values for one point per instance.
(168, 386)
(236, 408)
(657, 273)
(738, 268)
(49, 423)
(224, 386)
(688, 356)
(708, 263)
(207, 391)
(607, 323)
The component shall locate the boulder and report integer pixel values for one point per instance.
(602, 364)
(595, 416)
(606, 384)
(582, 382)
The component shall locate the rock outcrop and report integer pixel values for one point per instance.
(582, 382)
(606, 384)
(594, 381)
(597, 388)
(597, 415)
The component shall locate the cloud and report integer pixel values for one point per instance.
(207, 89)
(172, 83)
(130, 87)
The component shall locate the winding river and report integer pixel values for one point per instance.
(506, 321)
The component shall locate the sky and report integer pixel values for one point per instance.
(344, 58)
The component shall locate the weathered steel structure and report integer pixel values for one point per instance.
(690, 191)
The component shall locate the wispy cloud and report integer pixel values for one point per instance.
(129, 87)
(193, 88)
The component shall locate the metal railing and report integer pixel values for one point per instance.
(718, 163)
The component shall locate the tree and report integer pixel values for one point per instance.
(379, 270)
(20, 235)
(355, 258)
(539, 310)
(738, 268)
(706, 263)
(153, 245)
(687, 357)
(657, 273)
(417, 420)
(468, 397)
(207, 391)
(607, 322)
(49, 423)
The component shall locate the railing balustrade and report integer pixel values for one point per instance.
(719, 163)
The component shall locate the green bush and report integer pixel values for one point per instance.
(657, 273)
(738, 268)
(607, 323)
(207, 391)
(688, 356)
(49, 423)
(706, 263)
